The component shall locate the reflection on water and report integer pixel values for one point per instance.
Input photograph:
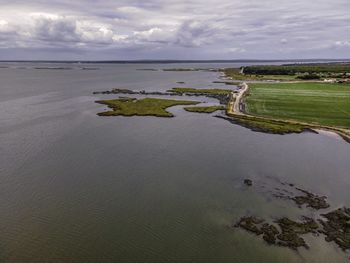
(76, 187)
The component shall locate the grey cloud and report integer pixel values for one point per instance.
(155, 28)
(194, 33)
(60, 29)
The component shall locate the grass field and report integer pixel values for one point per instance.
(142, 107)
(316, 103)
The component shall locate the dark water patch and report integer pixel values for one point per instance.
(55, 68)
(227, 82)
(85, 68)
(147, 69)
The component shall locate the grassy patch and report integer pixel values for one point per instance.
(200, 91)
(278, 77)
(265, 125)
(315, 103)
(209, 109)
(142, 107)
(235, 74)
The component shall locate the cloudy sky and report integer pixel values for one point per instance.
(174, 29)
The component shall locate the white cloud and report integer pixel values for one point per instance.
(5, 27)
(46, 29)
(236, 50)
(155, 34)
(342, 43)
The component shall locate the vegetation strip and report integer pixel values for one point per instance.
(223, 95)
(237, 74)
(142, 107)
(292, 69)
(291, 72)
(131, 92)
(208, 109)
(200, 91)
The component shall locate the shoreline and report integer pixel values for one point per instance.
(329, 134)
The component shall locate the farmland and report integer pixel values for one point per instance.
(314, 103)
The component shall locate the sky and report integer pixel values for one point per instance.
(174, 29)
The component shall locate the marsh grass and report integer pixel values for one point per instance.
(142, 107)
(200, 91)
(208, 109)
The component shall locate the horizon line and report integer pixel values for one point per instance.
(175, 60)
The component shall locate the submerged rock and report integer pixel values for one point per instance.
(291, 231)
(311, 200)
(248, 182)
(270, 232)
(337, 227)
(288, 234)
(307, 198)
(251, 224)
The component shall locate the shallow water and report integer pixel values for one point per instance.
(76, 187)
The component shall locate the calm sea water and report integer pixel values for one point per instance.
(75, 187)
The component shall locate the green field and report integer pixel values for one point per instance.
(316, 103)
(142, 107)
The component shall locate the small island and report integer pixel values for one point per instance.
(141, 107)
